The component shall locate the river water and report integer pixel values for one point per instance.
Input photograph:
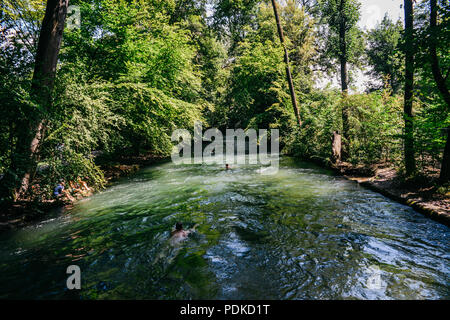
(303, 233)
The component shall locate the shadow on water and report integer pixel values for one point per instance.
(303, 233)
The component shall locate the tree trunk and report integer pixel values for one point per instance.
(445, 166)
(441, 85)
(286, 61)
(410, 164)
(437, 74)
(42, 84)
(344, 84)
(336, 147)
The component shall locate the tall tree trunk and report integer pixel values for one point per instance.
(445, 166)
(286, 61)
(42, 84)
(344, 84)
(441, 85)
(437, 74)
(410, 163)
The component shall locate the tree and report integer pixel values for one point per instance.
(384, 54)
(42, 84)
(258, 94)
(344, 45)
(409, 158)
(230, 17)
(19, 31)
(300, 31)
(440, 83)
(286, 61)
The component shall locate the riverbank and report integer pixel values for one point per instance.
(423, 196)
(22, 213)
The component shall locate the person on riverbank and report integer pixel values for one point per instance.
(60, 192)
(76, 190)
(86, 190)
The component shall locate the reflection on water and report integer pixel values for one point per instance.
(300, 234)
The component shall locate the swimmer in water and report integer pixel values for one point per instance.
(179, 233)
(227, 166)
(170, 249)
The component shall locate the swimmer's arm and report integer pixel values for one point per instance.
(192, 229)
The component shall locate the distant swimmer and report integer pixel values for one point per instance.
(179, 233)
(227, 166)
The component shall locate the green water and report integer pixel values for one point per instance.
(303, 233)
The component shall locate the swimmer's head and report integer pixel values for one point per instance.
(178, 226)
(227, 166)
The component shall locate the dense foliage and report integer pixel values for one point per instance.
(137, 69)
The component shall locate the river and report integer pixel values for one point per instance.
(303, 233)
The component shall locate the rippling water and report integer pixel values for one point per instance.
(303, 233)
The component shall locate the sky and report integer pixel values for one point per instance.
(372, 12)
